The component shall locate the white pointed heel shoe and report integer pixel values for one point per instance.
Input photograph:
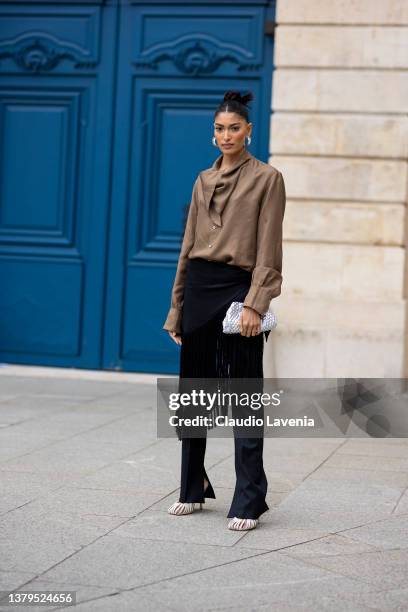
(237, 524)
(180, 508)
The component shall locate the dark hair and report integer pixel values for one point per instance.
(233, 102)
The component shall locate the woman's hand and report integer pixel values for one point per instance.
(250, 322)
(176, 337)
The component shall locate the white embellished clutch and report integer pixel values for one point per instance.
(230, 324)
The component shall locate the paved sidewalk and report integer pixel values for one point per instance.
(85, 485)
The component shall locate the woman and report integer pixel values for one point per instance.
(231, 251)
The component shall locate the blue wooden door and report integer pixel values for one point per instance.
(106, 119)
(56, 113)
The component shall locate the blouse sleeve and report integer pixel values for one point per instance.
(267, 275)
(173, 321)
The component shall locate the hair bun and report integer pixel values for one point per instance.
(235, 95)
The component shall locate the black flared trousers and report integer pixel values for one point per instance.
(251, 483)
(207, 352)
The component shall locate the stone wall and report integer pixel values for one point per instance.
(339, 135)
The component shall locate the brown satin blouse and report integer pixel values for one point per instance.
(236, 217)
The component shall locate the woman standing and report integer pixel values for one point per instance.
(231, 251)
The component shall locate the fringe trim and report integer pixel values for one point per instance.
(209, 353)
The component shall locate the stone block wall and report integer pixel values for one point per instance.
(339, 135)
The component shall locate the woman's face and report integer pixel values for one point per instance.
(230, 130)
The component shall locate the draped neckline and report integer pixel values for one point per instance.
(241, 159)
(217, 185)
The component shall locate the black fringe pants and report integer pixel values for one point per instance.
(207, 352)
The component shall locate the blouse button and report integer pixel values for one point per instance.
(210, 245)
(214, 226)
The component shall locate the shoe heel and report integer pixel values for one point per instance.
(201, 506)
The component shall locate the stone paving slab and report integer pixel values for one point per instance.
(394, 600)
(369, 462)
(387, 568)
(66, 458)
(124, 562)
(94, 599)
(13, 385)
(274, 538)
(34, 542)
(268, 581)
(148, 469)
(29, 409)
(24, 487)
(11, 580)
(389, 447)
(67, 424)
(397, 480)
(205, 527)
(402, 506)
(14, 444)
(335, 505)
(384, 534)
(336, 544)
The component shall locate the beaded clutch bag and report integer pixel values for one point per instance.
(230, 324)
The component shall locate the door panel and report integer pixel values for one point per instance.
(56, 100)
